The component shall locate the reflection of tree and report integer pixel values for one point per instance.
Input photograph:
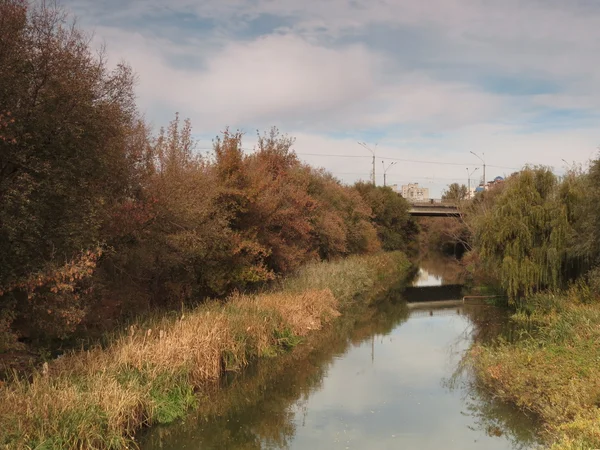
(261, 407)
(489, 414)
(500, 419)
(447, 268)
(255, 409)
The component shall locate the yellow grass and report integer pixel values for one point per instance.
(153, 373)
(554, 373)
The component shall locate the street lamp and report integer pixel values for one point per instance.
(385, 170)
(469, 178)
(483, 161)
(568, 169)
(362, 144)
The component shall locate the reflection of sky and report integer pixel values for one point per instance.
(396, 401)
(425, 278)
(386, 393)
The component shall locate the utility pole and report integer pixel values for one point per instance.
(469, 179)
(483, 161)
(385, 170)
(362, 144)
(568, 169)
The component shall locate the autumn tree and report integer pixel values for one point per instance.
(341, 220)
(266, 193)
(64, 125)
(100, 217)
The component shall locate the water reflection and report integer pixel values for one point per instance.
(424, 278)
(438, 270)
(382, 378)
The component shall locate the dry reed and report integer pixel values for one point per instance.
(99, 398)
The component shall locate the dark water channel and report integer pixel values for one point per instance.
(386, 378)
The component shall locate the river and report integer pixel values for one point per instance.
(390, 377)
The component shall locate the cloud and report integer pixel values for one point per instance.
(271, 79)
(427, 80)
(285, 80)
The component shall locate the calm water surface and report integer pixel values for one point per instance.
(386, 379)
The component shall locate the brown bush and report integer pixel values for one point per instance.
(81, 170)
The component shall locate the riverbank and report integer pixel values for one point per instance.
(156, 371)
(263, 395)
(553, 372)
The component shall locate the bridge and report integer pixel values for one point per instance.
(434, 208)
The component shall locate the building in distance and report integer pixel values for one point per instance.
(414, 193)
(490, 184)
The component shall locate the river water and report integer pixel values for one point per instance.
(387, 378)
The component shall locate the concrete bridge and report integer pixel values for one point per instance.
(433, 209)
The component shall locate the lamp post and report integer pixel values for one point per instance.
(568, 169)
(483, 161)
(362, 144)
(469, 178)
(385, 171)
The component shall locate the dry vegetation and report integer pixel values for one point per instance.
(103, 219)
(154, 372)
(537, 237)
(555, 372)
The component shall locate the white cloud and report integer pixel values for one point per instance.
(320, 70)
(271, 79)
(287, 81)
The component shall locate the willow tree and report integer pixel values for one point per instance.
(524, 236)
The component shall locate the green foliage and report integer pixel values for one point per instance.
(524, 236)
(349, 277)
(286, 339)
(455, 192)
(583, 189)
(172, 397)
(553, 371)
(395, 228)
(541, 235)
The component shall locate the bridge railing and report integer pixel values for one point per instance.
(435, 202)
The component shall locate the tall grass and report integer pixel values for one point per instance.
(350, 277)
(555, 372)
(153, 373)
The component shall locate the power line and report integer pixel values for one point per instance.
(417, 161)
(338, 156)
(400, 177)
(403, 160)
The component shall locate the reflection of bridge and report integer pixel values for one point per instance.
(433, 293)
(433, 209)
(441, 312)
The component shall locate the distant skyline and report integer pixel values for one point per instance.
(426, 81)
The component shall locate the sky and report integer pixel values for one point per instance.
(514, 81)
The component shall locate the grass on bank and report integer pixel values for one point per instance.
(554, 372)
(155, 371)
